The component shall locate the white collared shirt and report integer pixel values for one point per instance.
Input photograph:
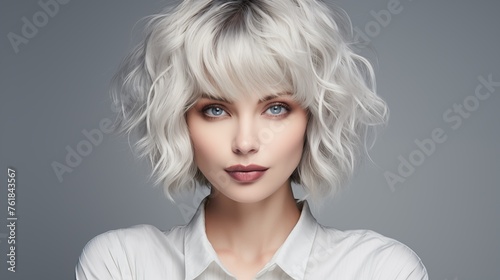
(311, 251)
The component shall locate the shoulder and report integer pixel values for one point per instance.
(126, 238)
(374, 253)
(119, 253)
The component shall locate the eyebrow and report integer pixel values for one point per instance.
(267, 98)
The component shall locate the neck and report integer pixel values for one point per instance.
(250, 231)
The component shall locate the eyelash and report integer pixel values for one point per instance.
(283, 105)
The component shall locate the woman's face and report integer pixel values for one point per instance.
(268, 133)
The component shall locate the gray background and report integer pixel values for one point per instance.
(428, 57)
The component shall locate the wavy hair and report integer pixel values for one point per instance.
(228, 48)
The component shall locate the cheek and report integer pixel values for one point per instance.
(206, 143)
(290, 140)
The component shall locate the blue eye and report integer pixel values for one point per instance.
(277, 109)
(213, 111)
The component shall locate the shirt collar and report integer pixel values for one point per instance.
(291, 257)
(199, 253)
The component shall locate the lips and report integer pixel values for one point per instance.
(246, 174)
(248, 168)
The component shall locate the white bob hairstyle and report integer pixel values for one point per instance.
(224, 49)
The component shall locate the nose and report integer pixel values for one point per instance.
(245, 140)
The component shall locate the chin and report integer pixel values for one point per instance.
(246, 197)
(251, 193)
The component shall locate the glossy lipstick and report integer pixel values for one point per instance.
(246, 174)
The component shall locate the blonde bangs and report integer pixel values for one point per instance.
(228, 54)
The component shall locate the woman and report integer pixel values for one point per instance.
(246, 97)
